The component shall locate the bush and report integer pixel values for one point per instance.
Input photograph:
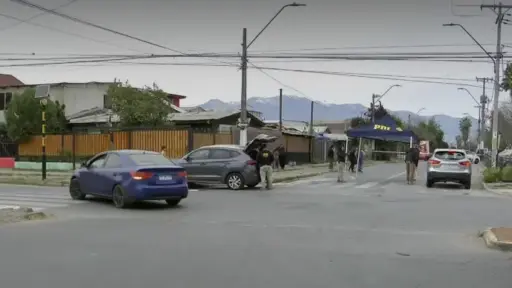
(506, 174)
(492, 175)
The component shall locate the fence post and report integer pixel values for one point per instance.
(73, 149)
(190, 134)
(62, 145)
(130, 137)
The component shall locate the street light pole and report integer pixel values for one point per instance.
(481, 110)
(496, 61)
(243, 122)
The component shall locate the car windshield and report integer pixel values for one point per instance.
(150, 159)
(450, 155)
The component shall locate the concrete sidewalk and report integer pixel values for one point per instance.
(33, 177)
(499, 188)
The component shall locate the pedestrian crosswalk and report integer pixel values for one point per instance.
(371, 188)
(35, 199)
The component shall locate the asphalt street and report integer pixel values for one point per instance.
(373, 231)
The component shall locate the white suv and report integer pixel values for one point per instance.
(449, 165)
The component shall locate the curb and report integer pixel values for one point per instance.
(492, 241)
(495, 191)
(297, 177)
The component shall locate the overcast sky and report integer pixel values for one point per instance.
(216, 26)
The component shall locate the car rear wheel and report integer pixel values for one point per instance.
(119, 197)
(173, 202)
(476, 161)
(467, 185)
(235, 181)
(430, 184)
(75, 191)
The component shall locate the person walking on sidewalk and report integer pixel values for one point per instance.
(341, 155)
(265, 160)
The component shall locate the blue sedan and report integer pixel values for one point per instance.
(127, 176)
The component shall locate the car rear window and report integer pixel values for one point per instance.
(450, 155)
(150, 159)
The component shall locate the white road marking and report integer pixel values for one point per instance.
(396, 175)
(367, 185)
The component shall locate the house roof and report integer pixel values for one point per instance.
(209, 116)
(21, 84)
(7, 80)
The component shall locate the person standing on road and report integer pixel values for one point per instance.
(164, 151)
(265, 160)
(341, 163)
(416, 159)
(411, 162)
(352, 158)
(282, 157)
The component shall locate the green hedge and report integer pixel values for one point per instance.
(493, 175)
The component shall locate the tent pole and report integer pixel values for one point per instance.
(410, 142)
(346, 153)
(358, 155)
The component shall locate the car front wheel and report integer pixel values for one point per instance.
(235, 181)
(75, 191)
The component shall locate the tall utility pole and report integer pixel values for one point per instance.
(311, 118)
(495, 105)
(481, 116)
(243, 122)
(281, 110)
(498, 10)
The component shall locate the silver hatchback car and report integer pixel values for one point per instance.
(449, 165)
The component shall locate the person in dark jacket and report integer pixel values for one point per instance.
(265, 160)
(330, 157)
(282, 157)
(412, 159)
(352, 159)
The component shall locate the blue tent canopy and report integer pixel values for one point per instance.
(385, 129)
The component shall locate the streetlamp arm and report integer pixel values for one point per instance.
(272, 20)
(470, 95)
(383, 94)
(473, 38)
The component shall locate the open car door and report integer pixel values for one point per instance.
(257, 141)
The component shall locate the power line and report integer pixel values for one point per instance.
(37, 16)
(87, 23)
(276, 80)
(65, 32)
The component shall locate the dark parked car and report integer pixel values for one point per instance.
(126, 176)
(232, 165)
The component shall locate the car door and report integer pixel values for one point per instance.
(218, 164)
(89, 177)
(110, 174)
(194, 164)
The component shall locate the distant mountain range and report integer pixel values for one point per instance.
(298, 109)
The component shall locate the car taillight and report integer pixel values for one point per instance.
(138, 175)
(465, 163)
(251, 162)
(434, 162)
(183, 174)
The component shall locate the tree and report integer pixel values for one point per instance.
(465, 127)
(139, 107)
(23, 116)
(506, 83)
(431, 131)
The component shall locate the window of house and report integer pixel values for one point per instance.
(2, 101)
(107, 101)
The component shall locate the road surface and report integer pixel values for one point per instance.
(374, 231)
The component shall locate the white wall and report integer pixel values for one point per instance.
(76, 97)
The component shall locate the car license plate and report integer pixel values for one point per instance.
(165, 177)
(451, 167)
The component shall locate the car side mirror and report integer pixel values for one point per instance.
(83, 165)
(188, 158)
